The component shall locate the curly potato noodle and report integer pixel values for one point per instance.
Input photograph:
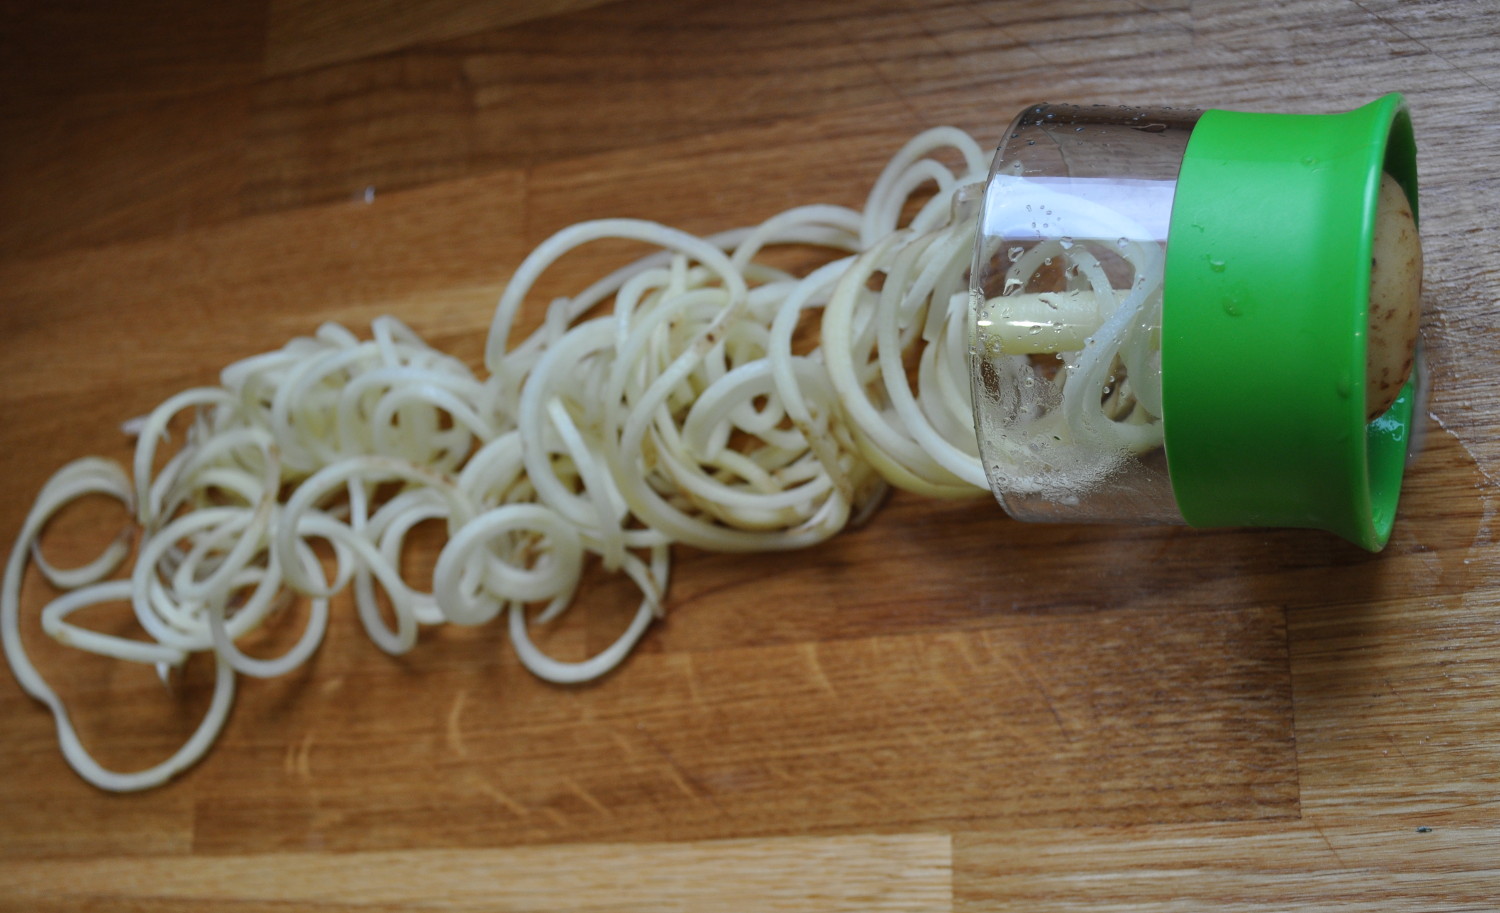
(665, 403)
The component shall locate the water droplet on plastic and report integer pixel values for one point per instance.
(1122, 244)
(1216, 265)
(1014, 254)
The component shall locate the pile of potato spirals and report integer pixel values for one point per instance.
(665, 403)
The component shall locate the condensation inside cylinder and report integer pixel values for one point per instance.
(1067, 303)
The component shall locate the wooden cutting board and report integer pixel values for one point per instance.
(943, 709)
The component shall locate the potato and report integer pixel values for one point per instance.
(1395, 298)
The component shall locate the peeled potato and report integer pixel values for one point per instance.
(1395, 298)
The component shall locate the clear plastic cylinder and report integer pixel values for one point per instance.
(1066, 290)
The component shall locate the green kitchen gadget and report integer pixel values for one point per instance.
(1200, 317)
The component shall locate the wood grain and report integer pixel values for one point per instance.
(90, 58)
(916, 732)
(303, 34)
(1287, 866)
(859, 874)
(941, 709)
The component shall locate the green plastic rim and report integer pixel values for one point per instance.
(1263, 322)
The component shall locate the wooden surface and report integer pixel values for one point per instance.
(942, 710)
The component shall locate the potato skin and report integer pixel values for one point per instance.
(1395, 298)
